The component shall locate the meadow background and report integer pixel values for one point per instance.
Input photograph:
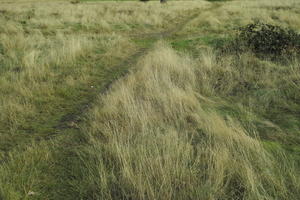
(132, 100)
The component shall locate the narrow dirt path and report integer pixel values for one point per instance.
(132, 60)
(67, 139)
(123, 68)
(70, 122)
(67, 150)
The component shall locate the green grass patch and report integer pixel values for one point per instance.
(144, 42)
(192, 45)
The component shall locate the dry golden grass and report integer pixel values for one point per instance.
(176, 127)
(30, 64)
(152, 137)
(224, 18)
(42, 41)
(102, 17)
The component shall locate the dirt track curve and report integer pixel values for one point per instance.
(71, 121)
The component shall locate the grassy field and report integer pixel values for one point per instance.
(142, 101)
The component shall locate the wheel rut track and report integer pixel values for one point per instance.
(129, 62)
(71, 120)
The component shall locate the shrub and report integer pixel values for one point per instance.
(267, 40)
(75, 1)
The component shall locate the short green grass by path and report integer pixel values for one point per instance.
(144, 42)
(191, 45)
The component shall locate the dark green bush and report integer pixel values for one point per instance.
(267, 40)
(75, 1)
